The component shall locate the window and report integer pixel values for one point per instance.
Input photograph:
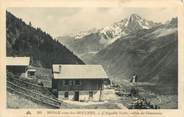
(70, 82)
(77, 82)
(31, 73)
(66, 95)
(65, 82)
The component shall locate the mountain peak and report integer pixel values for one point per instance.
(134, 17)
(172, 23)
(136, 22)
(124, 27)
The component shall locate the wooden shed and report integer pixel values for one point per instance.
(20, 66)
(17, 65)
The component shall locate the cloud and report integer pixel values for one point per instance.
(62, 21)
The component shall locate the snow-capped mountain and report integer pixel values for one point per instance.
(95, 40)
(82, 34)
(124, 27)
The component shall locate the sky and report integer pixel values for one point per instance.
(61, 21)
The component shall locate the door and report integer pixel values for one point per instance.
(90, 95)
(76, 96)
(66, 95)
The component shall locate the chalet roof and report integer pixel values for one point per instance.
(17, 61)
(78, 72)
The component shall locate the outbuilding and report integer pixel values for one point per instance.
(17, 65)
(20, 66)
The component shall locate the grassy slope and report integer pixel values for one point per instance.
(16, 101)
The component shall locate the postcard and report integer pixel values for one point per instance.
(92, 58)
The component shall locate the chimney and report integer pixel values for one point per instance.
(59, 68)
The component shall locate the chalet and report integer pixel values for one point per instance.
(20, 66)
(78, 82)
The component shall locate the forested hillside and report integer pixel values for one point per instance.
(25, 40)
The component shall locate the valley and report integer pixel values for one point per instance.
(150, 52)
(132, 47)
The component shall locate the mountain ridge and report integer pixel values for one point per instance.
(151, 54)
(94, 41)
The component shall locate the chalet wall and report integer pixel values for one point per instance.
(16, 69)
(61, 95)
(84, 95)
(86, 84)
